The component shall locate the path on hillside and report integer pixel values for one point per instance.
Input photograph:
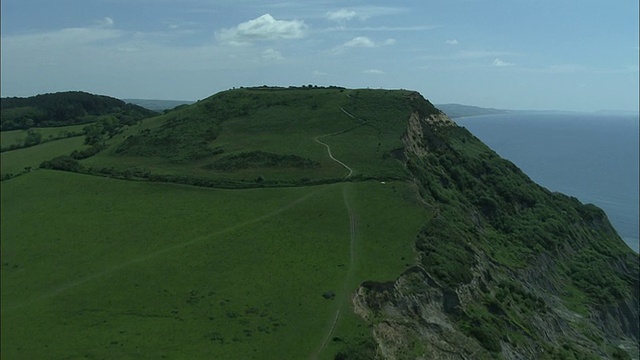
(344, 294)
(115, 268)
(353, 235)
(317, 139)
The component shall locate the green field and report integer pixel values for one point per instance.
(15, 161)
(150, 269)
(155, 269)
(12, 137)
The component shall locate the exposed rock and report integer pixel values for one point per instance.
(530, 307)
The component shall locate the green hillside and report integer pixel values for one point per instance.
(211, 139)
(322, 223)
(65, 108)
(15, 162)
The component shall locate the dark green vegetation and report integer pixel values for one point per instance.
(432, 247)
(17, 139)
(65, 108)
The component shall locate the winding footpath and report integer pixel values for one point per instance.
(353, 235)
(317, 139)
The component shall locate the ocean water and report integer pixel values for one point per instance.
(591, 157)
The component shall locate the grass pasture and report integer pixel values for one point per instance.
(8, 138)
(15, 161)
(283, 122)
(126, 269)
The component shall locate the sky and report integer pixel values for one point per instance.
(579, 55)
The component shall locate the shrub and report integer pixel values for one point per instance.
(65, 163)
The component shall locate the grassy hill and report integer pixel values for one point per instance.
(209, 140)
(65, 108)
(295, 223)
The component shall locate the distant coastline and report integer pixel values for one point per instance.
(459, 111)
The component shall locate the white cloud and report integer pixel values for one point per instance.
(452, 42)
(272, 55)
(360, 41)
(264, 27)
(319, 73)
(363, 41)
(106, 22)
(363, 13)
(341, 15)
(501, 63)
(374, 71)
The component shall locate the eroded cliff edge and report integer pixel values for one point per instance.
(506, 268)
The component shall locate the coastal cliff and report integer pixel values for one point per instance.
(507, 268)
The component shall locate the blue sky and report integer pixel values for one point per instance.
(515, 54)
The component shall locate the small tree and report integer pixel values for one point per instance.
(33, 138)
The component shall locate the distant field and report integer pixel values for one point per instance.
(156, 269)
(9, 138)
(14, 161)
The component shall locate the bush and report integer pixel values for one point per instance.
(257, 159)
(65, 163)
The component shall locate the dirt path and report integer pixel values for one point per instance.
(113, 269)
(343, 298)
(317, 139)
(352, 116)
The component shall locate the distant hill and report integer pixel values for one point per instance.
(65, 108)
(458, 110)
(158, 105)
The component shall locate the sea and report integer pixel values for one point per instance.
(593, 157)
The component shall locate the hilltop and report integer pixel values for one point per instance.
(65, 108)
(324, 223)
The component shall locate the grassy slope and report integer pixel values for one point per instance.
(17, 136)
(157, 269)
(282, 122)
(15, 161)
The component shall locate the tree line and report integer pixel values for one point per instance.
(64, 108)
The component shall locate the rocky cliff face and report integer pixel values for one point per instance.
(508, 269)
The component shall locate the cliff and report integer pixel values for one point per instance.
(507, 269)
